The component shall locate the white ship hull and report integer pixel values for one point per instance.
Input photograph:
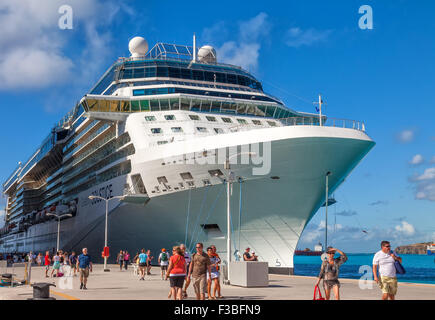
(274, 211)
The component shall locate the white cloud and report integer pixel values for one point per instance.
(416, 160)
(244, 51)
(406, 136)
(296, 37)
(428, 174)
(405, 228)
(432, 160)
(35, 52)
(424, 185)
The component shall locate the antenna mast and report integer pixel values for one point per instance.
(320, 103)
(194, 48)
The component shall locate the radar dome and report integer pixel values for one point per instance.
(207, 54)
(138, 46)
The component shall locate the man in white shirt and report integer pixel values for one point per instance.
(385, 259)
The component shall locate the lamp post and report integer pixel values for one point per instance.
(326, 209)
(58, 224)
(229, 182)
(105, 232)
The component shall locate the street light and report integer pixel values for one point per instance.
(105, 232)
(229, 182)
(58, 224)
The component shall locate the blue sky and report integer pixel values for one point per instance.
(298, 49)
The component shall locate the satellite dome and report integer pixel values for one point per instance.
(138, 46)
(207, 54)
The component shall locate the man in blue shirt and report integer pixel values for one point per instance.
(84, 264)
(143, 257)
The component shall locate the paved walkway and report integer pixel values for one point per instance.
(124, 285)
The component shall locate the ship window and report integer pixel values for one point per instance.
(164, 104)
(193, 117)
(212, 119)
(218, 130)
(271, 123)
(242, 121)
(174, 104)
(216, 106)
(241, 108)
(135, 105)
(270, 111)
(145, 105)
(186, 176)
(156, 130)
(169, 117)
(196, 104)
(257, 122)
(206, 182)
(162, 179)
(185, 104)
(215, 173)
(150, 118)
(190, 183)
(227, 120)
(162, 142)
(177, 129)
(155, 105)
(201, 129)
(205, 106)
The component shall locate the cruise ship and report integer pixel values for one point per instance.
(161, 134)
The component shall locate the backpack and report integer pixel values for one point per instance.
(164, 257)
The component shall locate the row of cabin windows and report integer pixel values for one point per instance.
(179, 129)
(211, 119)
(187, 178)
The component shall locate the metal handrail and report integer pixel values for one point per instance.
(326, 121)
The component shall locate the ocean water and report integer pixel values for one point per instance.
(419, 268)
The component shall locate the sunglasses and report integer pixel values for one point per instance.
(387, 246)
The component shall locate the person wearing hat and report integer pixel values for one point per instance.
(248, 257)
(329, 272)
(164, 262)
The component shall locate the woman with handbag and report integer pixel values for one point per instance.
(329, 272)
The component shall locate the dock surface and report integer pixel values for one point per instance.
(125, 285)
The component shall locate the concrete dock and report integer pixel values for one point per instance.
(124, 285)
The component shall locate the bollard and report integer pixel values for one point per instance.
(41, 291)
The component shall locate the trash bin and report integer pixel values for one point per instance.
(41, 291)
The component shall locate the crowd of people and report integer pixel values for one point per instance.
(202, 268)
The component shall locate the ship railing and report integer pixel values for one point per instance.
(327, 122)
(176, 59)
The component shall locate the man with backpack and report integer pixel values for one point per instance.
(164, 262)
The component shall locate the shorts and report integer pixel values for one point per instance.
(176, 281)
(329, 284)
(56, 265)
(214, 275)
(142, 264)
(47, 266)
(200, 284)
(388, 285)
(164, 268)
(84, 272)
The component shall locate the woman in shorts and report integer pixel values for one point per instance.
(329, 272)
(176, 272)
(56, 264)
(214, 277)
